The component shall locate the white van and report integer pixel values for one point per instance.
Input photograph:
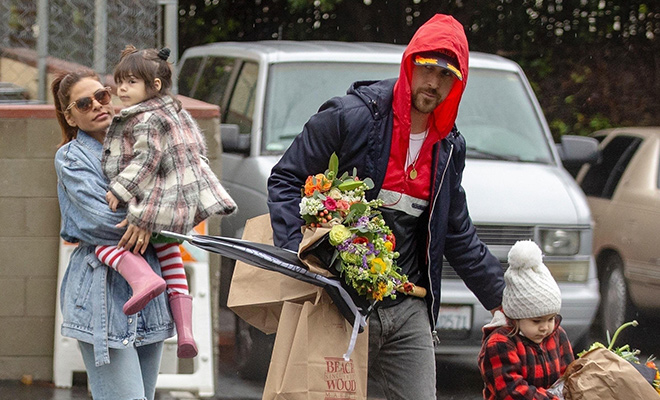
(515, 183)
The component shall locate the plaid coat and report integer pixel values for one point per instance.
(154, 155)
(514, 367)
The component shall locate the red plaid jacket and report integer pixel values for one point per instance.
(514, 367)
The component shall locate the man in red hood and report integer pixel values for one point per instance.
(401, 134)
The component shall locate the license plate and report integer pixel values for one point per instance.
(455, 318)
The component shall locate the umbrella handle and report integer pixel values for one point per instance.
(176, 235)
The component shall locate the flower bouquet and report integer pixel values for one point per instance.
(346, 234)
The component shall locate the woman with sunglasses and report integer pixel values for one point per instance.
(121, 352)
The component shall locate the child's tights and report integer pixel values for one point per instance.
(171, 264)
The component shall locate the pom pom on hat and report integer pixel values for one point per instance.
(530, 290)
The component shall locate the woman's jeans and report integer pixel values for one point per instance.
(131, 374)
(401, 352)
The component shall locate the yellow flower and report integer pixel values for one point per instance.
(389, 246)
(338, 233)
(378, 266)
(382, 291)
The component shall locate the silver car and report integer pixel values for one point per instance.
(516, 185)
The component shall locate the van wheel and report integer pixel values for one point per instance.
(253, 351)
(615, 304)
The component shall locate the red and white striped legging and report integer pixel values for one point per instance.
(169, 256)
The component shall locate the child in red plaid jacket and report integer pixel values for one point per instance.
(524, 349)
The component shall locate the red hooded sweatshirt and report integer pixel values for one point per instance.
(442, 32)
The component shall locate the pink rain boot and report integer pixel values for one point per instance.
(146, 284)
(181, 305)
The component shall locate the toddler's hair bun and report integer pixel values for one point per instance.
(164, 53)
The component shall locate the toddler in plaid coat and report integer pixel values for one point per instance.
(524, 350)
(154, 156)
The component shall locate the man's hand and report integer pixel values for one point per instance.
(134, 237)
(112, 200)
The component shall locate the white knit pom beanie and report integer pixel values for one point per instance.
(530, 290)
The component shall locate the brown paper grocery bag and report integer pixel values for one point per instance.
(602, 375)
(256, 295)
(307, 361)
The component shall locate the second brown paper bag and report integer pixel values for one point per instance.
(307, 361)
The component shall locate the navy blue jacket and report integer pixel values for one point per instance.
(358, 127)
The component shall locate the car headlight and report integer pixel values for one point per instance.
(560, 242)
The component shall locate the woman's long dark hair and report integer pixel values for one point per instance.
(61, 89)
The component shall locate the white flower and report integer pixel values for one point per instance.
(310, 206)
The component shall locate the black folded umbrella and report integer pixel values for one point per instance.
(280, 260)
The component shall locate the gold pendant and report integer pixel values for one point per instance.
(413, 173)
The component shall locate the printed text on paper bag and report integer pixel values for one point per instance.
(340, 379)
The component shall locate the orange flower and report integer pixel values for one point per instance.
(382, 291)
(309, 186)
(318, 182)
(324, 184)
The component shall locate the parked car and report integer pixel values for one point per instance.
(623, 191)
(514, 179)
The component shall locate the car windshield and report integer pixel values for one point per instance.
(296, 91)
(498, 119)
(496, 116)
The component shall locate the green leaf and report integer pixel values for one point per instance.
(349, 185)
(359, 208)
(333, 164)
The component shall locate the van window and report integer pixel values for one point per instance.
(498, 118)
(601, 178)
(189, 75)
(214, 79)
(296, 90)
(241, 103)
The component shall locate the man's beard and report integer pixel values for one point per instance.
(423, 104)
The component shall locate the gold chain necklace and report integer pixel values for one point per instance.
(413, 163)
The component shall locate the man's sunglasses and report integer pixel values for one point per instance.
(84, 104)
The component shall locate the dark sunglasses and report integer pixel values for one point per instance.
(84, 104)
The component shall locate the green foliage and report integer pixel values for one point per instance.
(591, 63)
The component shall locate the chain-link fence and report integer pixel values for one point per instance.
(39, 38)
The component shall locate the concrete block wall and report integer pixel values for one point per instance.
(29, 232)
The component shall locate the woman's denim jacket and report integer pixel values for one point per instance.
(92, 294)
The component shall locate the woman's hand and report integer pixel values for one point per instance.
(113, 201)
(134, 237)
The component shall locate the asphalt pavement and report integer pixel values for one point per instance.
(457, 378)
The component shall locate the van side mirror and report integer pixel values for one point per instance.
(575, 151)
(233, 140)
